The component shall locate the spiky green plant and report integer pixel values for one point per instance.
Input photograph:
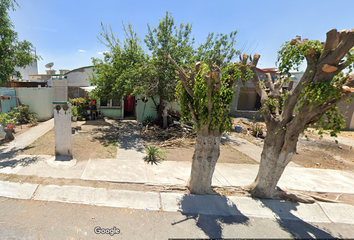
(153, 154)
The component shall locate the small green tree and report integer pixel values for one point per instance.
(287, 113)
(205, 95)
(118, 74)
(13, 53)
(163, 41)
(218, 46)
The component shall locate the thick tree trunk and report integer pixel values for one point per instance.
(206, 154)
(274, 159)
(160, 109)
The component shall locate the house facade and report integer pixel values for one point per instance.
(247, 103)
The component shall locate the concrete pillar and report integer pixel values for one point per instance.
(62, 125)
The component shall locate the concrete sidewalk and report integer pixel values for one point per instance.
(248, 148)
(187, 204)
(28, 137)
(175, 173)
(342, 140)
(130, 144)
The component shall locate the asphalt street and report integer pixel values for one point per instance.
(29, 219)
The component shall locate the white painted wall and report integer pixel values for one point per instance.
(29, 70)
(40, 101)
(79, 77)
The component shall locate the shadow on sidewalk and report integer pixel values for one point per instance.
(129, 136)
(8, 159)
(290, 223)
(200, 208)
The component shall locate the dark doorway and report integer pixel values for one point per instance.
(129, 107)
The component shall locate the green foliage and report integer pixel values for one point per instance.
(291, 56)
(153, 154)
(77, 101)
(219, 117)
(24, 115)
(148, 120)
(6, 119)
(219, 46)
(314, 94)
(163, 41)
(13, 53)
(19, 115)
(256, 130)
(74, 111)
(127, 69)
(120, 72)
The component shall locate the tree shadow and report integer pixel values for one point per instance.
(129, 136)
(210, 212)
(106, 133)
(226, 139)
(292, 224)
(12, 159)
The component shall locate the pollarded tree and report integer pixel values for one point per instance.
(13, 53)
(205, 95)
(288, 113)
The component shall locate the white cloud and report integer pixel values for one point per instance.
(82, 50)
(102, 52)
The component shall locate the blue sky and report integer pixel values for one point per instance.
(65, 31)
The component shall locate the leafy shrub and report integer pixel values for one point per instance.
(153, 154)
(74, 112)
(6, 119)
(148, 120)
(256, 130)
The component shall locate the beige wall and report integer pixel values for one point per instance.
(348, 112)
(247, 98)
(40, 101)
(60, 89)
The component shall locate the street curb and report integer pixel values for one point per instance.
(187, 204)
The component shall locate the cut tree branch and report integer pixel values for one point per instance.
(331, 43)
(193, 114)
(346, 42)
(183, 76)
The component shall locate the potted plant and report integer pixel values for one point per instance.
(74, 113)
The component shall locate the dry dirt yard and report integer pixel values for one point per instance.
(312, 152)
(96, 139)
(177, 144)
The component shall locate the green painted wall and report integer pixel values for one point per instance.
(115, 113)
(150, 109)
(6, 105)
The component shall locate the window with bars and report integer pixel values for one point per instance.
(111, 103)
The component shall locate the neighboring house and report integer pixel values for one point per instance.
(67, 83)
(247, 103)
(30, 91)
(132, 108)
(348, 112)
(26, 72)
